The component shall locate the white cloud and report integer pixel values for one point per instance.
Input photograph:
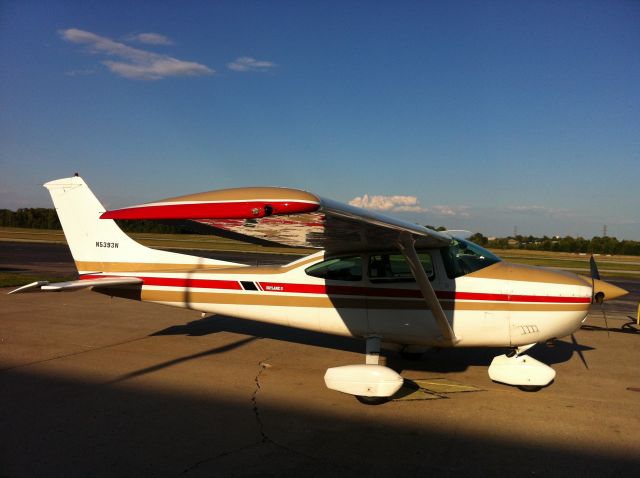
(246, 63)
(450, 211)
(135, 63)
(388, 203)
(533, 210)
(157, 69)
(407, 204)
(151, 39)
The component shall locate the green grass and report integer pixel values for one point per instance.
(32, 235)
(164, 241)
(14, 279)
(609, 266)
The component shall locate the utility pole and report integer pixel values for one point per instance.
(604, 231)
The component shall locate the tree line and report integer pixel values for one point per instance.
(46, 218)
(595, 245)
(33, 218)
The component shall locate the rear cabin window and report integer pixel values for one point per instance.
(394, 268)
(464, 257)
(340, 268)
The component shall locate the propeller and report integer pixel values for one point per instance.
(597, 298)
(594, 269)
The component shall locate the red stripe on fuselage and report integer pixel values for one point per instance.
(512, 297)
(413, 293)
(374, 292)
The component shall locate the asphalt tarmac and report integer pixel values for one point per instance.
(94, 386)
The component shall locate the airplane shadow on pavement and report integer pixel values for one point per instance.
(442, 360)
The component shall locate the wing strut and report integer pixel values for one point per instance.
(407, 246)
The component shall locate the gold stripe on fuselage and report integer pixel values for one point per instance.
(266, 299)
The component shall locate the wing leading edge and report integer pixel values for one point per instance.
(287, 216)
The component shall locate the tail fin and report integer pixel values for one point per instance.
(99, 245)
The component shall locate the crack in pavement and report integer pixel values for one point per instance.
(219, 455)
(256, 410)
(254, 400)
(265, 439)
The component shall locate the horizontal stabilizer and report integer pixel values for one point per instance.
(78, 284)
(29, 287)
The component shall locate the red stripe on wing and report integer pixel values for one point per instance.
(214, 210)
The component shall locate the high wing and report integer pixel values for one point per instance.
(286, 216)
(76, 284)
(298, 218)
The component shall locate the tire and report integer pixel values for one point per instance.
(372, 400)
(530, 388)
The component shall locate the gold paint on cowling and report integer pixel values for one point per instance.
(523, 273)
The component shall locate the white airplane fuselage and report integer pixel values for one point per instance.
(502, 305)
(422, 288)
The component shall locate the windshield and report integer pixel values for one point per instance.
(464, 257)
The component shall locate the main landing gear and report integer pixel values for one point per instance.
(526, 373)
(371, 383)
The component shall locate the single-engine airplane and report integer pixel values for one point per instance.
(375, 278)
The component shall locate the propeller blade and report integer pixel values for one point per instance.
(595, 275)
(594, 268)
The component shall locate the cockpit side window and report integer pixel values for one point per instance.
(339, 268)
(464, 257)
(394, 267)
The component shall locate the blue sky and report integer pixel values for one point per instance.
(481, 115)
